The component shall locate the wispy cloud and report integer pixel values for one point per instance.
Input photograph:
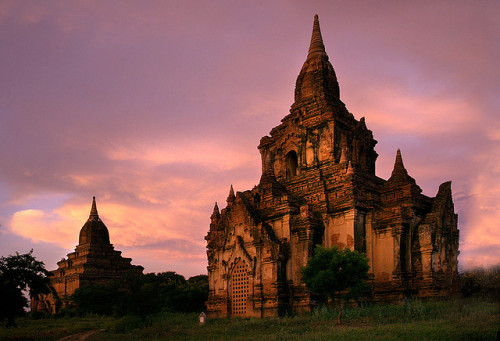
(156, 109)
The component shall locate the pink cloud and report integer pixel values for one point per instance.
(210, 154)
(156, 109)
(128, 225)
(396, 110)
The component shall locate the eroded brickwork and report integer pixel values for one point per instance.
(318, 186)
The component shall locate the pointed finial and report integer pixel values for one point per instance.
(93, 211)
(215, 213)
(399, 171)
(400, 174)
(349, 169)
(316, 46)
(231, 196)
(398, 164)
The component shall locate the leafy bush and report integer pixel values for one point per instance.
(97, 299)
(337, 274)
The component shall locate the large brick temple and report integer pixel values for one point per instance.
(94, 262)
(318, 186)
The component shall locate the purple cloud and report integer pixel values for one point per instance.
(156, 109)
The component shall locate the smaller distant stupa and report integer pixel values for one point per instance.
(94, 261)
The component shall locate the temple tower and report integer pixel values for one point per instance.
(318, 187)
(94, 261)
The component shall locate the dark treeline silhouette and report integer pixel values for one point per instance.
(141, 295)
(135, 294)
(481, 282)
(151, 293)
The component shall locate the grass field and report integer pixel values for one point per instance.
(457, 319)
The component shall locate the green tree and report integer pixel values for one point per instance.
(337, 274)
(194, 294)
(18, 273)
(143, 295)
(97, 299)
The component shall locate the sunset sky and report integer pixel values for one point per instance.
(157, 107)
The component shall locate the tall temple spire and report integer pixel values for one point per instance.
(93, 211)
(316, 47)
(317, 79)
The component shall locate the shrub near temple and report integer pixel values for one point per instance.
(337, 274)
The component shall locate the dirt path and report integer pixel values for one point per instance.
(80, 336)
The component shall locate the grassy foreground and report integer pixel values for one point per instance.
(457, 319)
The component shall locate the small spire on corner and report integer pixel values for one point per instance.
(349, 169)
(215, 213)
(398, 163)
(231, 196)
(399, 171)
(400, 174)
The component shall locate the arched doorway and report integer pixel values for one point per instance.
(239, 286)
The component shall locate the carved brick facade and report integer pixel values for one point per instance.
(318, 186)
(95, 261)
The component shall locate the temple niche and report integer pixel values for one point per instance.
(318, 186)
(94, 262)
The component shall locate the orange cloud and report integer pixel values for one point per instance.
(137, 207)
(60, 226)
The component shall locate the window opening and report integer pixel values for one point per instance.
(292, 163)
